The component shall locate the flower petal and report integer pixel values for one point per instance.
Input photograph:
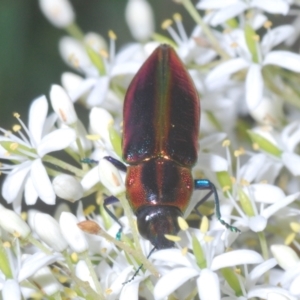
(254, 86)
(56, 140)
(276, 36)
(90, 179)
(41, 182)
(285, 256)
(173, 280)
(99, 92)
(37, 116)
(208, 285)
(14, 182)
(272, 6)
(237, 257)
(30, 193)
(213, 162)
(265, 193)
(272, 209)
(227, 68)
(227, 13)
(215, 4)
(35, 262)
(292, 162)
(270, 293)
(284, 59)
(260, 270)
(11, 290)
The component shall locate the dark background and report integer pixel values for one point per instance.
(29, 58)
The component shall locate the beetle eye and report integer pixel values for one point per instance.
(156, 221)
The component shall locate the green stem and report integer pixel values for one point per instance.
(63, 165)
(129, 215)
(38, 244)
(57, 296)
(93, 274)
(75, 31)
(264, 250)
(198, 19)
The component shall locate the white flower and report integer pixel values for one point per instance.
(97, 82)
(29, 174)
(254, 84)
(227, 9)
(285, 145)
(179, 269)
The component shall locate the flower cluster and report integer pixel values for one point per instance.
(247, 78)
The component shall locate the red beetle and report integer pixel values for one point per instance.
(160, 145)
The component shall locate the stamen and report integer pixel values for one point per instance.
(295, 227)
(204, 224)
(183, 225)
(16, 127)
(226, 143)
(166, 25)
(112, 45)
(178, 20)
(74, 257)
(89, 210)
(290, 238)
(173, 238)
(268, 24)
(255, 146)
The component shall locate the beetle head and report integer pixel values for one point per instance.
(156, 221)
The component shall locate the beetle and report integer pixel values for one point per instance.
(160, 145)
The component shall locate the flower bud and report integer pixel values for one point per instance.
(286, 257)
(67, 187)
(100, 120)
(49, 231)
(139, 18)
(95, 41)
(110, 177)
(13, 223)
(75, 55)
(59, 12)
(62, 105)
(72, 233)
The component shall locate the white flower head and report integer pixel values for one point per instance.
(29, 174)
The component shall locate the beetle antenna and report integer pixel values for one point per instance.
(139, 268)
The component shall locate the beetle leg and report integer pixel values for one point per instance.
(108, 201)
(139, 268)
(118, 164)
(89, 161)
(204, 184)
